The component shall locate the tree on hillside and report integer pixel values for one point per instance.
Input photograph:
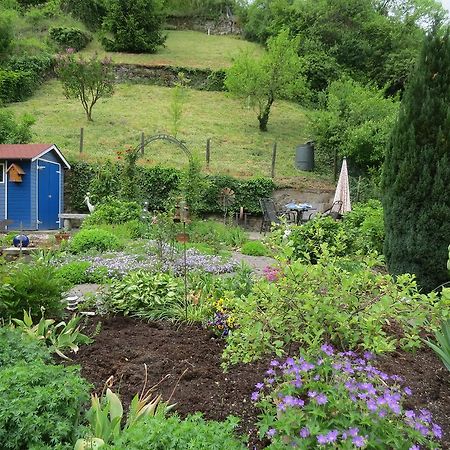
(416, 177)
(136, 25)
(275, 75)
(88, 80)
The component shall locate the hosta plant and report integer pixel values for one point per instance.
(339, 400)
(106, 415)
(58, 336)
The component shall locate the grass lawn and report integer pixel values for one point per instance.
(237, 146)
(185, 49)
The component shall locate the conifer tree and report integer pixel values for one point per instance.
(416, 175)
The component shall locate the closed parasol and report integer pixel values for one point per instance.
(342, 193)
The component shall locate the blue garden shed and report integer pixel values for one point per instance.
(31, 186)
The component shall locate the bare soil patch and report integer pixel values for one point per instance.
(194, 354)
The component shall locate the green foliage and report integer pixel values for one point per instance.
(159, 186)
(146, 295)
(106, 414)
(15, 132)
(74, 272)
(90, 12)
(347, 306)
(15, 86)
(172, 433)
(65, 37)
(442, 344)
(40, 405)
(216, 233)
(93, 239)
(115, 212)
(58, 337)
(277, 74)
(179, 98)
(136, 25)
(374, 42)
(87, 80)
(40, 65)
(300, 401)
(357, 123)
(30, 287)
(6, 31)
(254, 248)
(365, 226)
(416, 173)
(17, 347)
(134, 229)
(193, 185)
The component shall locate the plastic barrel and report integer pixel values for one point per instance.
(304, 157)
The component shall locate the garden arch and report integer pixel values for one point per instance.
(163, 137)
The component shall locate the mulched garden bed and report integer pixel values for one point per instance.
(124, 345)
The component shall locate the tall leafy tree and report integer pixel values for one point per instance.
(136, 25)
(416, 178)
(275, 75)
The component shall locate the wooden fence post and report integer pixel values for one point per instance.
(142, 143)
(208, 152)
(81, 139)
(274, 158)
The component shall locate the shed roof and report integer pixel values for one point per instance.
(29, 151)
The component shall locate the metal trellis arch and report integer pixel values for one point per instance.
(167, 138)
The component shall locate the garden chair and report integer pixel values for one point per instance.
(334, 211)
(270, 214)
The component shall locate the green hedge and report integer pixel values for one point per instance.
(69, 37)
(16, 86)
(157, 185)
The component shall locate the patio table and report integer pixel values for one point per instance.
(299, 209)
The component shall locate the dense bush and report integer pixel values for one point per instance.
(69, 37)
(93, 239)
(216, 233)
(128, 230)
(90, 12)
(6, 32)
(14, 131)
(345, 304)
(30, 287)
(16, 86)
(254, 248)
(300, 398)
(74, 272)
(40, 65)
(158, 186)
(356, 121)
(114, 212)
(40, 405)
(17, 347)
(136, 26)
(171, 433)
(147, 295)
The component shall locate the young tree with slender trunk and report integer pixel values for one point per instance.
(88, 80)
(416, 178)
(262, 81)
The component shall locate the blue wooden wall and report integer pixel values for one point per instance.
(2, 191)
(20, 209)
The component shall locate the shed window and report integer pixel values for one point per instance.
(2, 173)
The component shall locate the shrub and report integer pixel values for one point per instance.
(172, 433)
(300, 399)
(74, 272)
(69, 37)
(254, 248)
(350, 308)
(128, 230)
(14, 131)
(93, 239)
(15, 86)
(365, 226)
(40, 65)
(216, 233)
(30, 288)
(114, 212)
(40, 405)
(136, 26)
(146, 295)
(17, 347)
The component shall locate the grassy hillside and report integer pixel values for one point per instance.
(185, 49)
(238, 147)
